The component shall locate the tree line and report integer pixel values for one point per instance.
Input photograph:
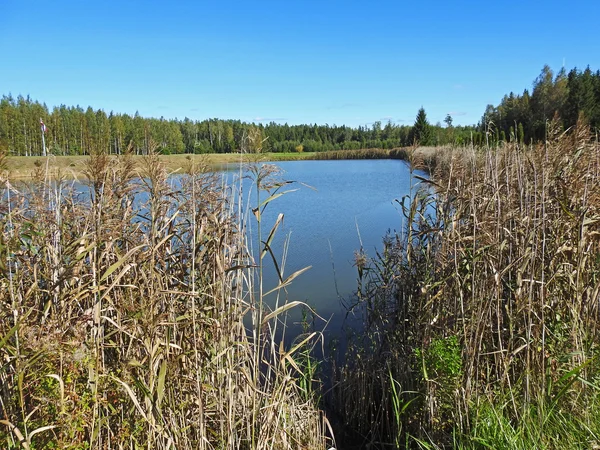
(76, 131)
(561, 95)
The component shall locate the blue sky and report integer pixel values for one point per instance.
(320, 62)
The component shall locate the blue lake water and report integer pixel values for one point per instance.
(353, 201)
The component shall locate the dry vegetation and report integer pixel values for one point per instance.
(131, 317)
(73, 167)
(482, 317)
(134, 318)
(22, 167)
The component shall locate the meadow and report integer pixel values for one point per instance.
(23, 167)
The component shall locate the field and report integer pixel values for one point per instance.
(24, 167)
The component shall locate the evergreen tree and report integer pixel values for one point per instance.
(581, 97)
(421, 130)
(77, 130)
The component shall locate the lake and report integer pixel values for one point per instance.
(352, 201)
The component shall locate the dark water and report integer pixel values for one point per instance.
(353, 202)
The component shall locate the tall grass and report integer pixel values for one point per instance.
(122, 318)
(481, 318)
(133, 316)
(368, 153)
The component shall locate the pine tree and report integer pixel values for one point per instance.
(421, 130)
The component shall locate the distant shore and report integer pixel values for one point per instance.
(73, 167)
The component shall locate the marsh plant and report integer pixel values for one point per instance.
(481, 317)
(122, 317)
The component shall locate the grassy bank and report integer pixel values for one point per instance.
(25, 167)
(481, 319)
(123, 324)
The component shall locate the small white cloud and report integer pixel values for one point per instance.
(457, 113)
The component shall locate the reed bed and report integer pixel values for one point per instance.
(370, 153)
(481, 317)
(131, 317)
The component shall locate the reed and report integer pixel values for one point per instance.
(371, 153)
(123, 317)
(481, 318)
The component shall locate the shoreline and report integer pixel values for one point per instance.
(23, 168)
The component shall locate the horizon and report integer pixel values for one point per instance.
(336, 63)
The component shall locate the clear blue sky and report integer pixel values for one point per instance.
(298, 62)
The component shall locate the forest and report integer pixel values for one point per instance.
(525, 117)
(78, 131)
(72, 130)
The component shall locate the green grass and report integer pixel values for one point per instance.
(539, 427)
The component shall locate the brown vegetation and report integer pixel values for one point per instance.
(481, 319)
(123, 318)
(73, 167)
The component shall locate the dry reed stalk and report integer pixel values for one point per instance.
(490, 294)
(122, 319)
